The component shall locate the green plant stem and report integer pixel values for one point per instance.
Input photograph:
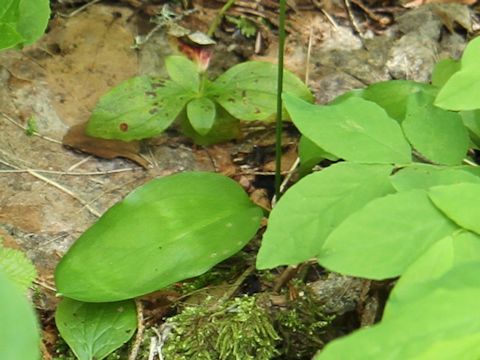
(278, 129)
(219, 17)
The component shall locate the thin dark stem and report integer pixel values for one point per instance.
(278, 130)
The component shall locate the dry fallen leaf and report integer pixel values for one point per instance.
(107, 149)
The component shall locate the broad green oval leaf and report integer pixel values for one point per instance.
(443, 70)
(138, 108)
(311, 154)
(355, 130)
(248, 91)
(419, 279)
(312, 208)
(94, 330)
(460, 91)
(22, 22)
(201, 113)
(168, 230)
(437, 134)
(18, 268)
(425, 176)
(393, 95)
(460, 202)
(443, 324)
(183, 72)
(383, 238)
(19, 332)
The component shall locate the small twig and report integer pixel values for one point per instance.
(218, 18)
(80, 9)
(470, 162)
(354, 23)
(24, 128)
(329, 17)
(140, 329)
(56, 172)
(65, 190)
(285, 277)
(289, 174)
(309, 54)
(81, 162)
(153, 348)
(45, 285)
(234, 287)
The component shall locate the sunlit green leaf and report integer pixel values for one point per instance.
(460, 202)
(201, 113)
(183, 72)
(437, 134)
(168, 230)
(248, 90)
(19, 332)
(443, 71)
(462, 88)
(441, 257)
(442, 324)
(424, 176)
(382, 239)
(94, 330)
(317, 204)
(393, 95)
(138, 108)
(311, 154)
(355, 130)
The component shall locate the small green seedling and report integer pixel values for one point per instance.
(143, 107)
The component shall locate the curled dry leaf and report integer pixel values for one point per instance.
(107, 149)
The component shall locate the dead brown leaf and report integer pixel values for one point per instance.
(106, 149)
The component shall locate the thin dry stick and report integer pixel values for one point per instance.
(330, 19)
(45, 285)
(81, 162)
(56, 172)
(25, 129)
(153, 348)
(140, 329)
(309, 55)
(469, 162)
(65, 190)
(354, 23)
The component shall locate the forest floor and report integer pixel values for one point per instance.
(54, 187)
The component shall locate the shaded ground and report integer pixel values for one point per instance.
(51, 194)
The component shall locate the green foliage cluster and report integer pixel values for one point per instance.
(399, 204)
(206, 110)
(239, 329)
